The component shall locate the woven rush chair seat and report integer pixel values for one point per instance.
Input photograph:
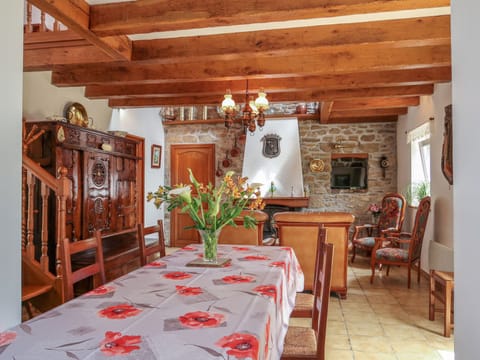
(300, 341)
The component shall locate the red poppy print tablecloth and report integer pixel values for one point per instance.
(166, 310)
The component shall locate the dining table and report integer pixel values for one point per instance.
(169, 309)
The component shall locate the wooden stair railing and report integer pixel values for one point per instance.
(38, 279)
(30, 26)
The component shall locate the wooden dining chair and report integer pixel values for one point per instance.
(239, 235)
(146, 245)
(95, 269)
(304, 301)
(309, 343)
(404, 248)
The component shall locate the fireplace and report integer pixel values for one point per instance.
(279, 204)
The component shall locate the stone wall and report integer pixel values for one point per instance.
(374, 139)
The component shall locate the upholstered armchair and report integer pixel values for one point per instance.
(404, 249)
(390, 220)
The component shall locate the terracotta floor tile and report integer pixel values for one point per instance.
(384, 321)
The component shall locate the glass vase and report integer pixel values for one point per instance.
(210, 242)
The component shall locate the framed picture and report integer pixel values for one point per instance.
(156, 156)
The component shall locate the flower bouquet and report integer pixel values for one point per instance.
(210, 207)
(375, 210)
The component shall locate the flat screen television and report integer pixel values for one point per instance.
(349, 173)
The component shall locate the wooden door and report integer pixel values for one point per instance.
(201, 159)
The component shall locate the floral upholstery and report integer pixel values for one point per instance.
(366, 241)
(391, 218)
(392, 254)
(405, 248)
(391, 214)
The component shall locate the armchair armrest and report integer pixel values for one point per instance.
(390, 232)
(367, 228)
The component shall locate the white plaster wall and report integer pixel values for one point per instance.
(41, 99)
(10, 147)
(466, 172)
(440, 222)
(145, 123)
(285, 170)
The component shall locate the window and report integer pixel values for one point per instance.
(420, 164)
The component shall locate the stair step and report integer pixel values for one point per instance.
(31, 291)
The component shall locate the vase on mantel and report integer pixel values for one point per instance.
(210, 242)
(375, 219)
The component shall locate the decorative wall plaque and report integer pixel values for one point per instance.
(271, 145)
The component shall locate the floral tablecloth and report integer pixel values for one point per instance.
(166, 310)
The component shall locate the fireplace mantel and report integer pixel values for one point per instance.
(290, 201)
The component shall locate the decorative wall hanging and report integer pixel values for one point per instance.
(271, 145)
(447, 149)
(317, 165)
(156, 156)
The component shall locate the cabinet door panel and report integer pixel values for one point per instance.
(97, 193)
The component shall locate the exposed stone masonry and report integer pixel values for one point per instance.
(316, 142)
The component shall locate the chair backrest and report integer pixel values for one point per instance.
(148, 247)
(322, 238)
(419, 226)
(393, 212)
(322, 296)
(300, 232)
(239, 235)
(95, 269)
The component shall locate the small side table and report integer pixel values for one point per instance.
(441, 288)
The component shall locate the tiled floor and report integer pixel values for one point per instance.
(383, 321)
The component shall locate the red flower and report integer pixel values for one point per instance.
(101, 290)
(267, 338)
(121, 311)
(256, 257)
(267, 290)
(201, 319)
(116, 344)
(281, 264)
(177, 275)
(157, 264)
(188, 291)
(241, 345)
(234, 279)
(189, 248)
(241, 248)
(7, 337)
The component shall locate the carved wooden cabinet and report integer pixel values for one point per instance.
(105, 193)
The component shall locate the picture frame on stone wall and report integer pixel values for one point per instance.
(156, 156)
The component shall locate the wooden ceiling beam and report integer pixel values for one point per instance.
(203, 96)
(41, 59)
(365, 57)
(377, 103)
(340, 82)
(368, 112)
(429, 31)
(286, 97)
(136, 17)
(74, 14)
(325, 111)
(388, 118)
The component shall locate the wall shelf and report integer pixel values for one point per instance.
(238, 121)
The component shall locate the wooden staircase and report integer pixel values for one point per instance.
(42, 196)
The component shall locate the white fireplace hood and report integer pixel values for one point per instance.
(285, 169)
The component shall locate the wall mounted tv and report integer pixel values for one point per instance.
(349, 171)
